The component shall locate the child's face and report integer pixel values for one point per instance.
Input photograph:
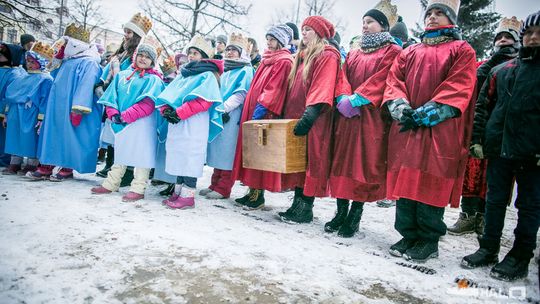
(32, 63)
(143, 61)
(194, 55)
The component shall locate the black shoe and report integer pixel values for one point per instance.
(127, 178)
(109, 161)
(510, 269)
(339, 218)
(352, 222)
(482, 257)
(244, 199)
(399, 248)
(256, 200)
(298, 194)
(302, 213)
(168, 191)
(422, 251)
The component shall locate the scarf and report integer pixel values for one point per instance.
(142, 72)
(270, 57)
(528, 53)
(442, 34)
(198, 67)
(231, 64)
(374, 41)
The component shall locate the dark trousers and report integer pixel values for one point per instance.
(501, 173)
(472, 205)
(419, 221)
(187, 180)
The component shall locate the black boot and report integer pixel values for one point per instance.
(168, 191)
(339, 218)
(298, 194)
(422, 251)
(256, 200)
(244, 199)
(109, 161)
(511, 268)
(302, 213)
(399, 248)
(352, 222)
(486, 255)
(127, 178)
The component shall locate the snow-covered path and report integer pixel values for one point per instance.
(61, 244)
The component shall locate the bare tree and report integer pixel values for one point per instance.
(19, 13)
(87, 13)
(184, 19)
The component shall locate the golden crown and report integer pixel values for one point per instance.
(509, 24)
(389, 10)
(141, 22)
(238, 40)
(168, 65)
(43, 49)
(452, 4)
(202, 44)
(77, 32)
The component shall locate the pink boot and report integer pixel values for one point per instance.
(186, 199)
(174, 196)
(100, 190)
(132, 197)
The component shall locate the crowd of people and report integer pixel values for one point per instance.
(421, 123)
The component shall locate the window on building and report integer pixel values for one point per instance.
(12, 36)
(35, 25)
(49, 21)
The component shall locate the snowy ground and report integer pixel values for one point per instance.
(61, 244)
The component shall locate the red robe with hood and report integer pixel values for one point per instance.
(360, 144)
(269, 88)
(319, 87)
(427, 164)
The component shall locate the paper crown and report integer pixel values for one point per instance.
(389, 10)
(77, 32)
(139, 24)
(238, 40)
(202, 44)
(43, 49)
(509, 24)
(452, 4)
(168, 66)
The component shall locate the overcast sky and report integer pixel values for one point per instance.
(350, 13)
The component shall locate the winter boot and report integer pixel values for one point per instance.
(61, 175)
(352, 222)
(244, 199)
(132, 197)
(302, 213)
(100, 190)
(177, 189)
(339, 218)
(484, 256)
(256, 200)
(127, 178)
(479, 224)
(109, 161)
(422, 251)
(465, 224)
(399, 248)
(101, 155)
(43, 172)
(26, 169)
(298, 194)
(168, 191)
(214, 195)
(186, 200)
(511, 268)
(205, 191)
(11, 169)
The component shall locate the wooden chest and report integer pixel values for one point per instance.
(270, 145)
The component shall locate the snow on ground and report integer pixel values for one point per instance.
(61, 244)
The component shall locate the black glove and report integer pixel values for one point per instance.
(308, 119)
(170, 115)
(406, 121)
(117, 119)
(226, 117)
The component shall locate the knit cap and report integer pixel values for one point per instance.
(400, 30)
(532, 20)
(321, 26)
(449, 7)
(282, 33)
(294, 28)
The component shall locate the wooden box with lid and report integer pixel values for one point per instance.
(270, 145)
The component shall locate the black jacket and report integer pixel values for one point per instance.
(507, 114)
